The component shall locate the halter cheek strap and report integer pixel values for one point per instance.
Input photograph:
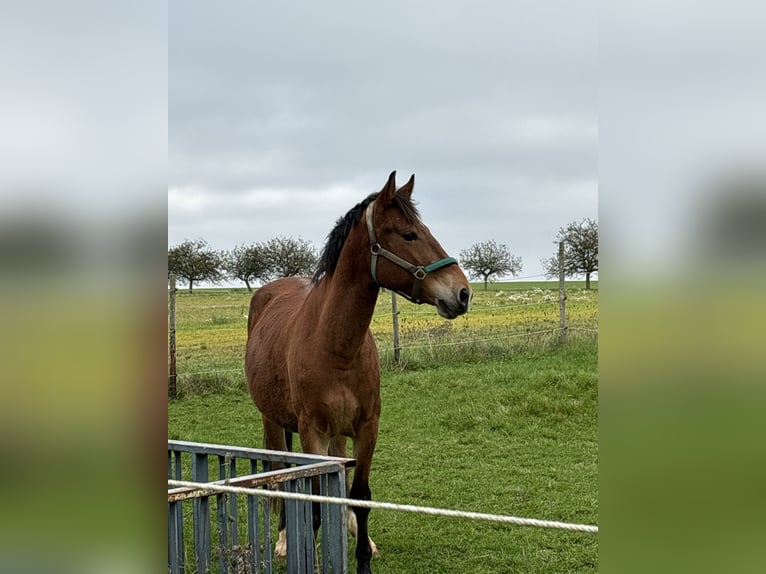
(418, 271)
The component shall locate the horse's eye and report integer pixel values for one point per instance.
(410, 236)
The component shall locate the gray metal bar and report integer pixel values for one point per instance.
(334, 526)
(179, 514)
(261, 479)
(223, 543)
(221, 501)
(222, 467)
(173, 552)
(233, 516)
(257, 453)
(177, 464)
(295, 555)
(324, 536)
(252, 525)
(293, 530)
(268, 547)
(305, 486)
(201, 515)
(175, 535)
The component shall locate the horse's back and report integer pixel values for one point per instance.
(287, 292)
(273, 310)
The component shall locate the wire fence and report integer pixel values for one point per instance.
(491, 309)
(210, 330)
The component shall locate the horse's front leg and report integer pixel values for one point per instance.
(338, 448)
(364, 447)
(314, 441)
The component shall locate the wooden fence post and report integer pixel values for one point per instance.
(395, 311)
(172, 389)
(562, 296)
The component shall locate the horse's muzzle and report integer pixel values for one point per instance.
(455, 307)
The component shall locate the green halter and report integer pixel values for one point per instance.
(419, 271)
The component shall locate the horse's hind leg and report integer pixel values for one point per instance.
(277, 438)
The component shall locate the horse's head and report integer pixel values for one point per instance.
(406, 258)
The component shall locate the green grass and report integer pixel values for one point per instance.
(514, 434)
(483, 413)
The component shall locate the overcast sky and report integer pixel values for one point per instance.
(283, 116)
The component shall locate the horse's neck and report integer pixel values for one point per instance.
(347, 311)
(348, 303)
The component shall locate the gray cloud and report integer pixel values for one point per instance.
(282, 117)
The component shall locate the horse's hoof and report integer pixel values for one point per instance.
(374, 548)
(280, 548)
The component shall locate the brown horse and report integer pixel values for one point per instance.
(311, 362)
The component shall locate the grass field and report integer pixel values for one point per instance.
(498, 425)
(211, 329)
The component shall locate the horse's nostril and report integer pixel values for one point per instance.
(464, 296)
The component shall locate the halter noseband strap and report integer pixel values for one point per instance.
(419, 271)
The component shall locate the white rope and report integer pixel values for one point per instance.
(211, 488)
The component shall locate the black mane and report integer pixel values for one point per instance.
(328, 260)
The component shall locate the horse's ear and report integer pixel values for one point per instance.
(386, 194)
(406, 190)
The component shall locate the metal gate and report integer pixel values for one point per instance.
(234, 533)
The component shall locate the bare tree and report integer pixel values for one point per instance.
(288, 256)
(580, 251)
(489, 259)
(193, 261)
(247, 263)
